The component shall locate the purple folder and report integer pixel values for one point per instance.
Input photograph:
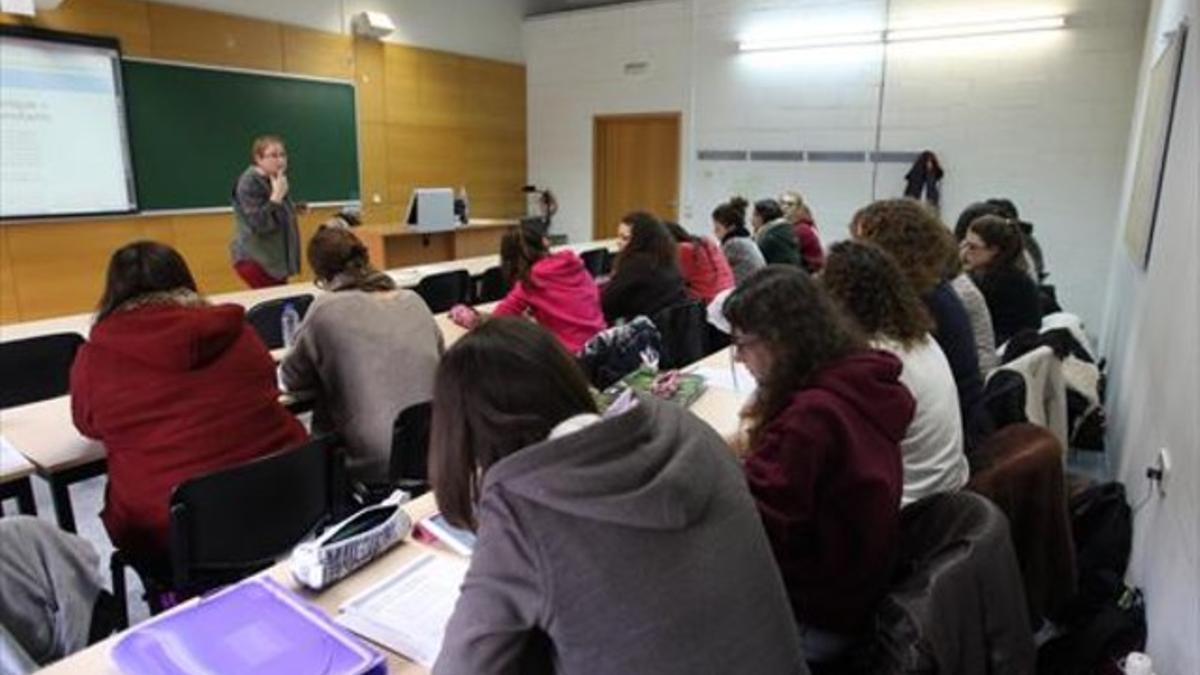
(256, 627)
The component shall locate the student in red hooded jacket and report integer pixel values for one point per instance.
(174, 387)
(555, 289)
(824, 462)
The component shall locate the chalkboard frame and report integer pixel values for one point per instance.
(149, 210)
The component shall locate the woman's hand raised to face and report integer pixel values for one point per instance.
(279, 186)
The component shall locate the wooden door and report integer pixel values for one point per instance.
(635, 168)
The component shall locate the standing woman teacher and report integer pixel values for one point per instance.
(266, 240)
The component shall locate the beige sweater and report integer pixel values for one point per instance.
(369, 356)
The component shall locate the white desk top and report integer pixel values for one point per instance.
(95, 660)
(13, 465)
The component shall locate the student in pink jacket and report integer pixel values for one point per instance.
(555, 289)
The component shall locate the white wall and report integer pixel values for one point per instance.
(487, 28)
(1152, 339)
(1042, 119)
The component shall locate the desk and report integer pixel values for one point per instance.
(95, 659)
(397, 245)
(14, 479)
(44, 433)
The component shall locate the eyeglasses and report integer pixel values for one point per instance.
(741, 342)
(275, 155)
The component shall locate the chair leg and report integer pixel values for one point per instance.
(116, 565)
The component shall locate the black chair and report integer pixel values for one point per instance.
(35, 369)
(683, 334)
(231, 523)
(408, 469)
(594, 260)
(444, 290)
(956, 604)
(267, 317)
(490, 286)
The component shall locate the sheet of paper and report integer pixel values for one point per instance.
(408, 611)
(10, 458)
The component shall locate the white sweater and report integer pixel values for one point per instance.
(932, 448)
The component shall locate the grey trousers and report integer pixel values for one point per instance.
(49, 582)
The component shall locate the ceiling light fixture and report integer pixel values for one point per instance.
(908, 34)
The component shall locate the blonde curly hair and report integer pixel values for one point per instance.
(913, 235)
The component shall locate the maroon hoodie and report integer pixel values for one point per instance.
(826, 475)
(173, 391)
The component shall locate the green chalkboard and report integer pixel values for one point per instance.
(191, 129)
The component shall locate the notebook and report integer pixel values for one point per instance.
(408, 611)
(255, 627)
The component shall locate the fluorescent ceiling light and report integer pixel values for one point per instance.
(973, 29)
(908, 34)
(810, 42)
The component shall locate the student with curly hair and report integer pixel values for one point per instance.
(921, 244)
(994, 253)
(866, 281)
(824, 461)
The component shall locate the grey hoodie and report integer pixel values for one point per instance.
(634, 546)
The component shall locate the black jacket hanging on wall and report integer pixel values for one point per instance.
(925, 177)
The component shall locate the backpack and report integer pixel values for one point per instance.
(1106, 619)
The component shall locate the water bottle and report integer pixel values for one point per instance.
(289, 322)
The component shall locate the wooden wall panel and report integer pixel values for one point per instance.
(370, 81)
(9, 310)
(58, 268)
(314, 52)
(372, 140)
(126, 20)
(184, 34)
(427, 118)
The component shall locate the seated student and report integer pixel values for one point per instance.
(812, 255)
(706, 272)
(729, 225)
(993, 253)
(824, 459)
(774, 234)
(919, 242)
(645, 278)
(175, 388)
(52, 598)
(866, 282)
(626, 543)
(368, 348)
(555, 289)
(1035, 262)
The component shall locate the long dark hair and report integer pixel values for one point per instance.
(141, 268)
(699, 249)
(866, 281)
(801, 327)
(501, 388)
(335, 252)
(519, 250)
(1004, 235)
(732, 216)
(649, 243)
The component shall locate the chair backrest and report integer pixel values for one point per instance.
(233, 522)
(490, 286)
(955, 605)
(1020, 469)
(594, 261)
(683, 334)
(35, 369)
(267, 317)
(444, 290)
(410, 449)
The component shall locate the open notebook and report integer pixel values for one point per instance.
(407, 612)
